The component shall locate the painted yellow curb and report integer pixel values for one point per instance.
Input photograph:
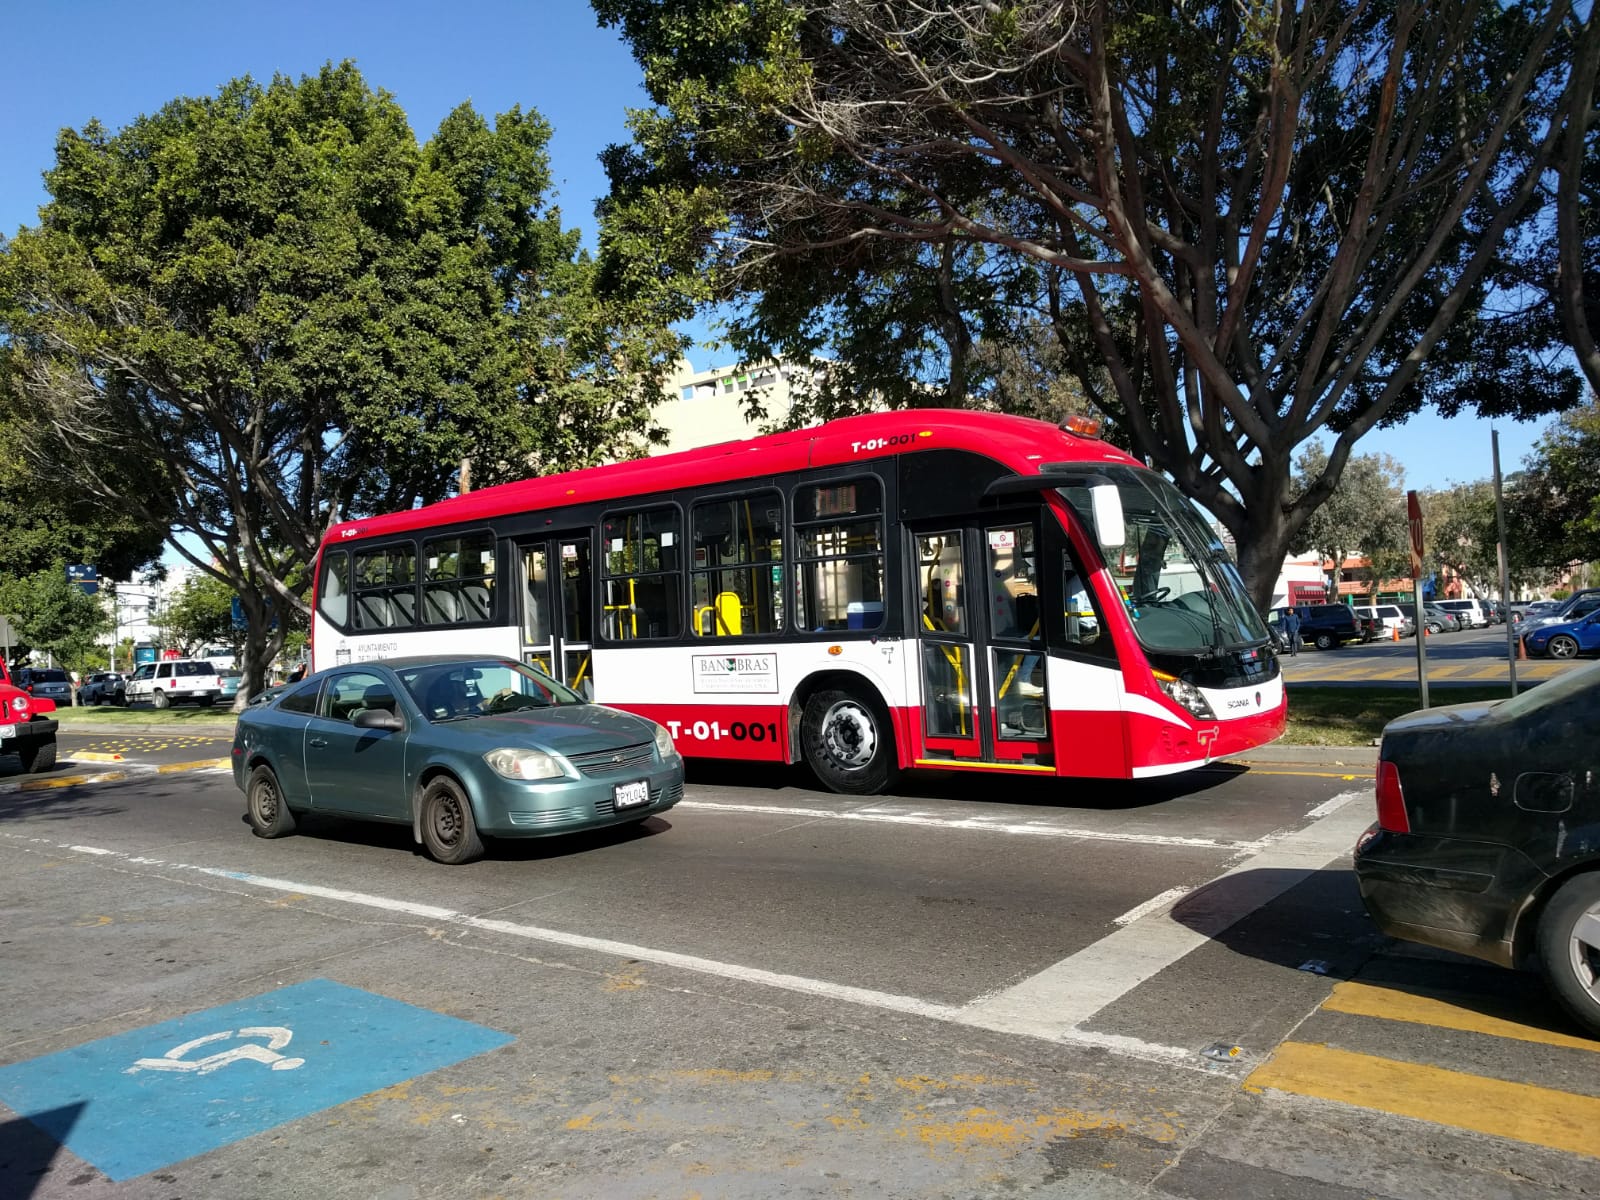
(94, 756)
(204, 764)
(66, 781)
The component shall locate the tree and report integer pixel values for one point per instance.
(51, 613)
(1459, 535)
(253, 314)
(1247, 224)
(1366, 515)
(1553, 504)
(1578, 206)
(200, 614)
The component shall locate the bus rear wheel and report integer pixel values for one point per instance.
(847, 742)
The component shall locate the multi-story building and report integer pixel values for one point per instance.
(705, 407)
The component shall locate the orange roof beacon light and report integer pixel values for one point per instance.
(1082, 426)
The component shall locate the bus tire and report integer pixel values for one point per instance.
(848, 742)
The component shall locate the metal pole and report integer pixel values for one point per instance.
(1505, 571)
(1414, 527)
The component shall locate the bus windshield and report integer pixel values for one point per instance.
(1182, 591)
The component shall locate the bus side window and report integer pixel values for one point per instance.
(838, 546)
(643, 590)
(737, 576)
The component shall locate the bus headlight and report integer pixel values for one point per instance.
(517, 763)
(1186, 694)
(664, 746)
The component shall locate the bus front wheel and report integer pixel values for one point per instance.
(848, 742)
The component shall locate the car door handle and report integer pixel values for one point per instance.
(317, 741)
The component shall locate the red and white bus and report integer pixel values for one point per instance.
(922, 589)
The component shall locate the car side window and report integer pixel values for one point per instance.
(302, 700)
(355, 692)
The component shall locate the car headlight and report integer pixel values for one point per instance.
(664, 746)
(1186, 694)
(517, 763)
(20, 703)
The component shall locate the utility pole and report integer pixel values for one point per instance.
(1505, 571)
(1414, 520)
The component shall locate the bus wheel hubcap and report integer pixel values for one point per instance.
(849, 735)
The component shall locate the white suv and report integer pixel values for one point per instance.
(175, 681)
(1471, 612)
(1392, 616)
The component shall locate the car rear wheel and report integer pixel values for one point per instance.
(1569, 948)
(159, 699)
(1562, 646)
(269, 814)
(448, 830)
(1323, 641)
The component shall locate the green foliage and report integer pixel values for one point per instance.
(49, 613)
(1365, 516)
(1554, 503)
(252, 314)
(1246, 225)
(199, 615)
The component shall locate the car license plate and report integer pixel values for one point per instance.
(631, 795)
(8, 731)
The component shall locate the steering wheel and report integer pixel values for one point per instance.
(505, 700)
(1154, 596)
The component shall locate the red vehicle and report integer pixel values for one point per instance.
(26, 727)
(925, 589)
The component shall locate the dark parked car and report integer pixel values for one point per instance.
(1488, 834)
(455, 748)
(49, 683)
(1439, 620)
(1325, 626)
(102, 687)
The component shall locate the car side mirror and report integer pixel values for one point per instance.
(1106, 504)
(377, 718)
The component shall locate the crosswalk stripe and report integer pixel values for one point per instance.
(1520, 1111)
(1364, 1000)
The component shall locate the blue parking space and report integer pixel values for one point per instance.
(138, 1101)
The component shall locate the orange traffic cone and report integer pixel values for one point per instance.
(1395, 631)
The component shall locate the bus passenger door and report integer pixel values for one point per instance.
(982, 645)
(556, 611)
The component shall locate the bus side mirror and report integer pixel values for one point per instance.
(1106, 504)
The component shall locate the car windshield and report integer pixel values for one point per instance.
(1182, 591)
(459, 690)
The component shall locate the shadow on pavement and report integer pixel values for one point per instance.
(398, 838)
(28, 1148)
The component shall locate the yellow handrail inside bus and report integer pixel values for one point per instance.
(954, 656)
(1012, 674)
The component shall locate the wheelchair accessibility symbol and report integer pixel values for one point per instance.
(174, 1060)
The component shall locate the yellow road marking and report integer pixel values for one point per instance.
(66, 781)
(1365, 1000)
(1535, 1115)
(204, 764)
(95, 756)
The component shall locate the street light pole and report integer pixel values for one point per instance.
(1505, 570)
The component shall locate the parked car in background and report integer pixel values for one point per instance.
(1472, 613)
(1325, 626)
(1534, 610)
(46, 683)
(455, 748)
(174, 681)
(102, 687)
(1579, 604)
(1391, 617)
(27, 726)
(1566, 639)
(231, 678)
(1439, 621)
(1485, 843)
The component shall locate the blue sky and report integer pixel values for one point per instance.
(70, 60)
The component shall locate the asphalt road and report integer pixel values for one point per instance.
(966, 989)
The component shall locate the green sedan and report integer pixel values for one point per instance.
(458, 749)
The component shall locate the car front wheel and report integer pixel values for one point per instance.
(1569, 948)
(1323, 641)
(448, 830)
(1562, 646)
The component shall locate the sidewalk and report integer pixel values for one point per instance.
(1363, 758)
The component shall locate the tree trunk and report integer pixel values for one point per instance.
(1262, 543)
(262, 641)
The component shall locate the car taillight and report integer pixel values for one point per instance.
(1391, 800)
(172, 683)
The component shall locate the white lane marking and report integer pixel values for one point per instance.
(1328, 807)
(1071, 992)
(951, 1014)
(1164, 900)
(981, 824)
